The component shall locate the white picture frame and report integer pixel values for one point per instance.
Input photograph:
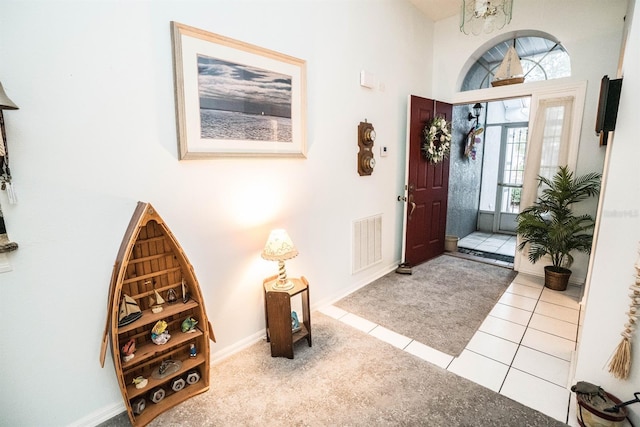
(236, 99)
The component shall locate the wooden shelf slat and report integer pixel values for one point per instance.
(150, 257)
(301, 334)
(187, 365)
(150, 275)
(152, 410)
(148, 350)
(149, 317)
(149, 240)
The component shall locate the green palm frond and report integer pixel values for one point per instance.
(549, 227)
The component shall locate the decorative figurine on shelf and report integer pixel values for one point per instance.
(157, 394)
(159, 333)
(189, 325)
(138, 406)
(193, 376)
(192, 351)
(177, 384)
(140, 382)
(129, 311)
(185, 293)
(155, 304)
(171, 296)
(166, 368)
(295, 323)
(128, 350)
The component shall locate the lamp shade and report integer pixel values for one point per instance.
(5, 102)
(279, 246)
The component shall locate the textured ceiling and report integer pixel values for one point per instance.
(438, 9)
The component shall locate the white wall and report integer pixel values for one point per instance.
(617, 244)
(96, 132)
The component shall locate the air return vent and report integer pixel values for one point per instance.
(367, 242)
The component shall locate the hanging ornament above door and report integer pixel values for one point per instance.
(482, 16)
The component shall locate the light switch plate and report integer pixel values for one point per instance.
(367, 79)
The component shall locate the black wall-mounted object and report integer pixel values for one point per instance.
(608, 107)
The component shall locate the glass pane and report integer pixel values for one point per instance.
(515, 148)
(513, 171)
(490, 164)
(551, 139)
(556, 64)
(510, 200)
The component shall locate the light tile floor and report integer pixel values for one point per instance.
(522, 350)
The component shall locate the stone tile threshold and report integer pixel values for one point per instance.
(496, 243)
(525, 343)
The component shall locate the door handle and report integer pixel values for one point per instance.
(413, 205)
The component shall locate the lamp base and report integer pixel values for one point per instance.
(282, 285)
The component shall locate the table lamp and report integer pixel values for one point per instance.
(279, 248)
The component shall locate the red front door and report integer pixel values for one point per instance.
(427, 187)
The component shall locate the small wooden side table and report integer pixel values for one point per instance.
(277, 313)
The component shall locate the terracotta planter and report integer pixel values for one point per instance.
(556, 278)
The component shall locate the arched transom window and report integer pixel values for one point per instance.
(541, 59)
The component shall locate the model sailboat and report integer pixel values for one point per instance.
(510, 70)
(129, 311)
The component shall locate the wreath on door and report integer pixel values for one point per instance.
(437, 140)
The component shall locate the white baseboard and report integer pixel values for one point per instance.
(100, 416)
(229, 351)
(351, 289)
(575, 280)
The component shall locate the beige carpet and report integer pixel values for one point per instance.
(348, 378)
(441, 304)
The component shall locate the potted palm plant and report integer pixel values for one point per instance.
(550, 227)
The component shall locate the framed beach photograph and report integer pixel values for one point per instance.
(236, 99)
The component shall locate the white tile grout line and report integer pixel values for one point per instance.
(519, 343)
(453, 358)
(343, 320)
(536, 376)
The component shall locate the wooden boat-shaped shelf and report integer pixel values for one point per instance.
(152, 270)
